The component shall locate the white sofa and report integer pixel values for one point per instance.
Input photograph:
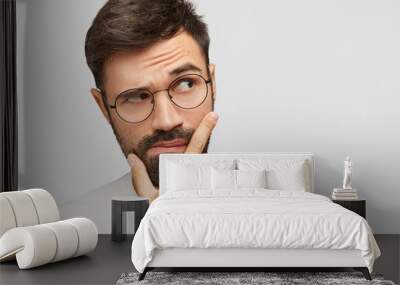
(31, 231)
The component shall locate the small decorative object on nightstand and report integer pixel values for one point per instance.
(348, 165)
(357, 206)
(121, 206)
(347, 192)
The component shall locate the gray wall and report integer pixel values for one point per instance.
(320, 76)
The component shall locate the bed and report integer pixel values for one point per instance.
(248, 210)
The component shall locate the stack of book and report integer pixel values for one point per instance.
(344, 194)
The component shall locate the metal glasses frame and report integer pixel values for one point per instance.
(114, 106)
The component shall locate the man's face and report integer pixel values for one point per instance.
(169, 128)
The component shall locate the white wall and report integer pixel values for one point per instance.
(320, 76)
(67, 146)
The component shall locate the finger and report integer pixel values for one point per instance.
(202, 133)
(140, 178)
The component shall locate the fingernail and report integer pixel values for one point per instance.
(130, 160)
(214, 116)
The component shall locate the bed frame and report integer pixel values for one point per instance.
(250, 259)
(234, 259)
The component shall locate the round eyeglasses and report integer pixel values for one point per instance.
(188, 91)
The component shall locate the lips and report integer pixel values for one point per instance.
(172, 146)
(172, 143)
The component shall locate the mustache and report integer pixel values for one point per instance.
(160, 135)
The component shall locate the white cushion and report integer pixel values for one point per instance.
(282, 174)
(67, 237)
(229, 180)
(251, 178)
(87, 232)
(45, 205)
(183, 178)
(7, 220)
(23, 208)
(223, 179)
(186, 174)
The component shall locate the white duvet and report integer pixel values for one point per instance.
(250, 218)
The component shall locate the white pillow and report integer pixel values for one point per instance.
(235, 179)
(223, 179)
(282, 174)
(251, 178)
(289, 179)
(185, 174)
(181, 178)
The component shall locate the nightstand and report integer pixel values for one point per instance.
(357, 206)
(122, 205)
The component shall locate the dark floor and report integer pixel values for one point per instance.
(110, 260)
(389, 262)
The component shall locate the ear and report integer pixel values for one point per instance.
(96, 93)
(211, 67)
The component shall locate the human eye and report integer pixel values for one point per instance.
(184, 85)
(136, 97)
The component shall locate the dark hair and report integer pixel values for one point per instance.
(125, 25)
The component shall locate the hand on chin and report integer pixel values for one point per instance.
(140, 178)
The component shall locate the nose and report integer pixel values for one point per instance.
(165, 116)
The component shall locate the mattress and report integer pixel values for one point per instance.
(251, 219)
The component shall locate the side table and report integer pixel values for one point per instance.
(121, 204)
(357, 206)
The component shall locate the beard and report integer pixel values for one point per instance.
(152, 162)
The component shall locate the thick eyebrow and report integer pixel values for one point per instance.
(183, 68)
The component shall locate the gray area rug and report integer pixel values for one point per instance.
(225, 278)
